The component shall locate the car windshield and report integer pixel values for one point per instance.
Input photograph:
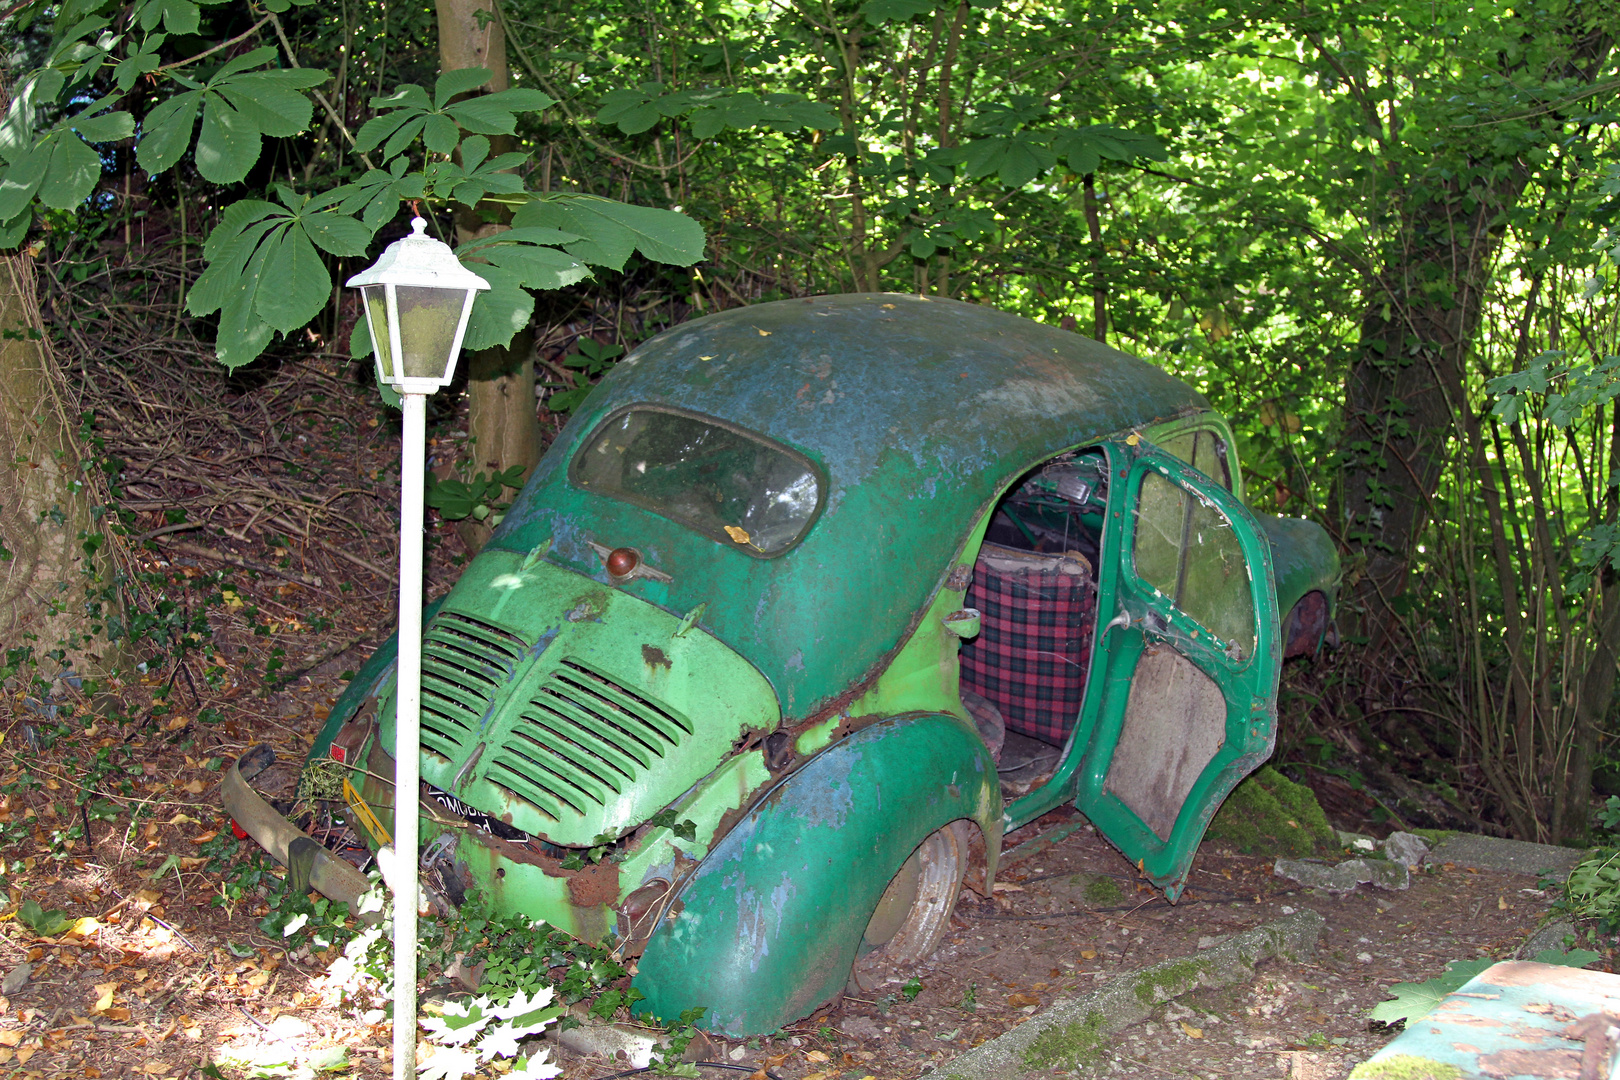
(739, 488)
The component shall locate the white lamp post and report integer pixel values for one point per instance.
(418, 298)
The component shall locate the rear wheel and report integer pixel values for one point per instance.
(915, 910)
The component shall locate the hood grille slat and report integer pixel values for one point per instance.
(581, 735)
(464, 664)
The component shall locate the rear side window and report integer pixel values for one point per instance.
(1187, 550)
(1205, 451)
(742, 489)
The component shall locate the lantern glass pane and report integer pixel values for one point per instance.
(377, 321)
(428, 319)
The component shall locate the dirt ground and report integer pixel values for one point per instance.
(109, 814)
(152, 988)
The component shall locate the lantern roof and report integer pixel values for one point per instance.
(419, 260)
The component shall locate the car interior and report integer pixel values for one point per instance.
(1035, 585)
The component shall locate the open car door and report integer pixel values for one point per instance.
(1187, 624)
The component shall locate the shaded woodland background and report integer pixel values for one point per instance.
(1380, 237)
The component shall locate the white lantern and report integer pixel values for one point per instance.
(418, 298)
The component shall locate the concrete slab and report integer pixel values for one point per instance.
(1068, 1032)
(1512, 856)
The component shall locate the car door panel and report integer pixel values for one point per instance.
(1189, 653)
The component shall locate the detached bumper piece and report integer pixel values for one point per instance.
(309, 865)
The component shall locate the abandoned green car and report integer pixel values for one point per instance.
(809, 605)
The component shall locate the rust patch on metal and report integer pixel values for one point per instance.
(654, 657)
(1547, 1064)
(595, 885)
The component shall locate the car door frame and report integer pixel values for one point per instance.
(1132, 616)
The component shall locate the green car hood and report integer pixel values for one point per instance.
(1303, 559)
(917, 412)
(582, 711)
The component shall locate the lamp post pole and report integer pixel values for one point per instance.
(417, 300)
(407, 728)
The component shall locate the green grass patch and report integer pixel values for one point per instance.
(1104, 890)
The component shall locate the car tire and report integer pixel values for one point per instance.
(914, 912)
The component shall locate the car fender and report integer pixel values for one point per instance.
(766, 927)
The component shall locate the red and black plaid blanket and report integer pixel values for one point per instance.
(1034, 644)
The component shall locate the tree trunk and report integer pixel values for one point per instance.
(501, 423)
(1402, 392)
(55, 593)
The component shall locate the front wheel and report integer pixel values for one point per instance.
(915, 910)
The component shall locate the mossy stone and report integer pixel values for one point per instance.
(1406, 1067)
(1269, 814)
(1074, 1044)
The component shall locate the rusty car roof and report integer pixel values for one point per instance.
(918, 410)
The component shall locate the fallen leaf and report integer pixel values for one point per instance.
(154, 1067)
(1088, 954)
(765, 333)
(737, 535)
(194, 787)
(117, 1012)
(177, 723)
(6, 1054)
(1002, 886)
(85, 927)
(1018, 1001)
(1501, 903)
(205, 837)
(819, 1076)
(92, 1073)
(190, 863)
(10, 1037)
(258, 978)
(24, 1053)
(1192, 1032)
(104, 997)
(816, 1056)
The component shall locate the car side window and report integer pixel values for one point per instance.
(1205, 451)
(1187, 550)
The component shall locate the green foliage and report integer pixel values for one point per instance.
(42, 922)
(264, 272)
(239, 107)
(468, 1034)
(1592, 890)
(478, 498)
(592, 361)
(409, 114)
(1412, 1000)
(711, 111)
